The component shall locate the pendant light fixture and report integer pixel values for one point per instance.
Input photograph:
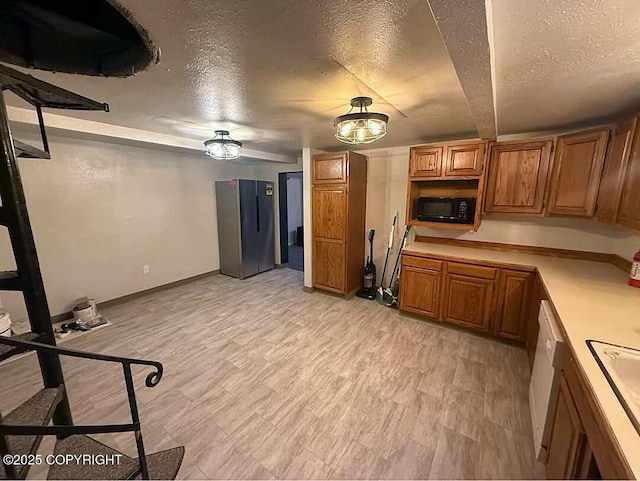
(361, 127)
(223, 147)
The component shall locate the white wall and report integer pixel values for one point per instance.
(307, 154)
(294, 205)
(627, 246)
(100, 211)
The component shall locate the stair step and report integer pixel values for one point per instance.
(10, 281)
(127, 467)
(36, 411)
(162, 465)
(27, 151)
(165, 464)
(8, 351)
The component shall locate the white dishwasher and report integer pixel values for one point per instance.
(545, 379)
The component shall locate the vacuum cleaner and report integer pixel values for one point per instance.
(368, 289)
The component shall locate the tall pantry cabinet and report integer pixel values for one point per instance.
(338, 226)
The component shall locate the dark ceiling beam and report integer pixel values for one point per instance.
(463, 28)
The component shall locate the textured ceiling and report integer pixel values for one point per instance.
(276, 72)
(469, 50)
(564, 62)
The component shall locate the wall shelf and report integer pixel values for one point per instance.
(443, 188)
(440, 225)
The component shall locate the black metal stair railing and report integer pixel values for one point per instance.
(15, 217)
(151, 380)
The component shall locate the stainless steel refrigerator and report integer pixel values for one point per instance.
(245, 227)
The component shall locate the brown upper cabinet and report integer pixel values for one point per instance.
(458, 160)
(577, 167)
(426, 161)
(629, 212)
(465, 159)
(338, 220)
(517, 176)
(613, 174)
(330, 169)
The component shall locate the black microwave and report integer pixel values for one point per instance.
(450, 210)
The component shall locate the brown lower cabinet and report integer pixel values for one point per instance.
(481, 297)
(468, 295)
(421, 291)
(581, 445)
(538, 294)
(514, 304)
(504, 301)
(568, 443)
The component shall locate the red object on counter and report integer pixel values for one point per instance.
(634, 278)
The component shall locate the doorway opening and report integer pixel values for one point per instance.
(291, 220)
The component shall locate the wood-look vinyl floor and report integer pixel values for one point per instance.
(263, 381)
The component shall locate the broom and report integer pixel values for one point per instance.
(380, 291)
(387, 294)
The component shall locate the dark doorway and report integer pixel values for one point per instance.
(291, 219)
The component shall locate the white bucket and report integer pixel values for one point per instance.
(5, 323)
(83, 314)
(86, 313)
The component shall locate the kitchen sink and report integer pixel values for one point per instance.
(621, 366)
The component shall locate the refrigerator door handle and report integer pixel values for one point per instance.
(258, 211)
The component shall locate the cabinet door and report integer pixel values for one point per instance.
(568, 440)
(420, 291)
(329, 212)
(329, 169)
(538, 294)
(426, 161)
(615, 167)
(514, 307)
(629, 213)
(467, 301)
(329, 265)
(517, 177)
(576, 173)
(464, 160)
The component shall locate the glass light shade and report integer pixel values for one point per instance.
(361, 127)
(223, 147)
(360, 131)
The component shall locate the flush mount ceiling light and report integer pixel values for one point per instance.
(223, 147)
(361, 127)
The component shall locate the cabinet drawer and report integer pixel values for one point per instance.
(471, 270)
(415, 261)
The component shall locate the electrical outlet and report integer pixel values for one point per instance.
(145, 269)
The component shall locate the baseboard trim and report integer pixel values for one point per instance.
(309, 290)
(129, 297)
(614, 259)
(284, 265)
(621, 262)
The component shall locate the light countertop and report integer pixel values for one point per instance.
(593, 301)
